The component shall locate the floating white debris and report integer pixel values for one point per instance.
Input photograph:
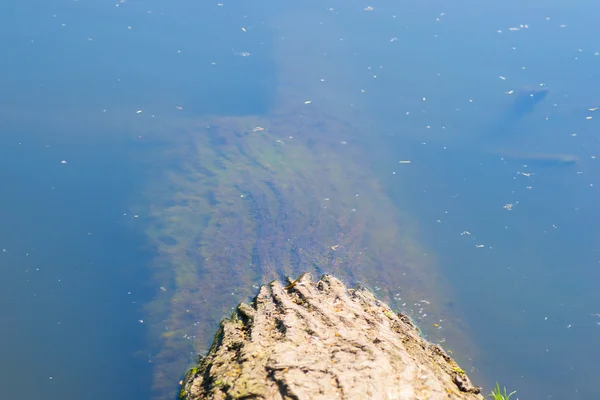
(368, 8)
(509, 92)
(404, 161)
(501, 77)
(244, 29)
(593, 109)
(518, 28)
(139, 111)
(465, 233)
(479, 246)
(508, 206)
(63, 162)
(588, 117)
(307, 102)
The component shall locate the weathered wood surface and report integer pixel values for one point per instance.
(320, 340)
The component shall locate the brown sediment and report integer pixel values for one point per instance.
(319, 340)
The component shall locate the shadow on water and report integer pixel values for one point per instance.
(525, 102)
(503, 137)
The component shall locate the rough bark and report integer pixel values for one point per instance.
(321, 340)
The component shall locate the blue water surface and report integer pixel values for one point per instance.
(516, 235)
(82, 82)
(513, 229)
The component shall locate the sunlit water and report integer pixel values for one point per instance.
(100, 101)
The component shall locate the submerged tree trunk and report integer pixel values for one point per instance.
(321, 340)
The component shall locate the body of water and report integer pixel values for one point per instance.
(160, 160)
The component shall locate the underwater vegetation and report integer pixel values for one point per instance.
(240, 201)
(237, 201)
